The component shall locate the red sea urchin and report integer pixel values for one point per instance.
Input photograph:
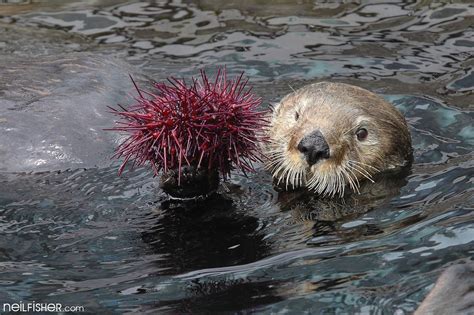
(208, 124)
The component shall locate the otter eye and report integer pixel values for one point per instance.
(297, 116)
(362, 134)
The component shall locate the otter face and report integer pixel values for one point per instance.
(327, 136)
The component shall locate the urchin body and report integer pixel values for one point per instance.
(194, 131)
(208, 124)
(330, 136)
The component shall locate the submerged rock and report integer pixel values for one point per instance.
(53, 111)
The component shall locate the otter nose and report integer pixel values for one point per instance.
(314, 147)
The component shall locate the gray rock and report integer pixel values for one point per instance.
(53, 111)
(452, 294)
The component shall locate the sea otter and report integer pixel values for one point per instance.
(330, 136)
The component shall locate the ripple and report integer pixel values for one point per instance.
(118, 244)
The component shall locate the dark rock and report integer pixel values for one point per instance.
(452, 294)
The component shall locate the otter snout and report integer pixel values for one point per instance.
(314, 147)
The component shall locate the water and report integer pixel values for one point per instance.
(116, 244)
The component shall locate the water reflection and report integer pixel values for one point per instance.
(203, 234)
(220, 296)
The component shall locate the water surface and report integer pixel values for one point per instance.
(116, 244)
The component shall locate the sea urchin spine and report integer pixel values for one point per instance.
(208, 124)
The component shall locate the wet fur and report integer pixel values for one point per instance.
(337, 110)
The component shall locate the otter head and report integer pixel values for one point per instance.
(327, 136)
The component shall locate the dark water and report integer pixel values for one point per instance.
(87, 237)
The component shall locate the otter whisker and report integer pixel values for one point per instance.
(284, 172)
(280, 172)
(362, 171)
(365, 164)
(274, 160)
(273, 165)
(276, 152)
(351, 130)
(342, 182)
(334, 183)
(361, 168)
(349, 169)
(351, 178)
(289, 175)
(301, 177)
(295, 175)
(355, 181)
(297, 179)
(281, 167)
(337, 189)
(328, 183)
(272, 168)
(363, 174)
